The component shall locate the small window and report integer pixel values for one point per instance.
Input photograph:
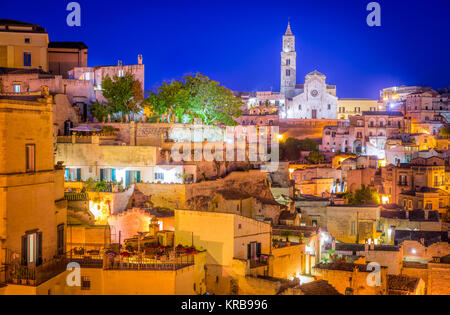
(288, 72)
(85, 283)
(30, 157)
(27, 59)
(60, 239)
(121, 74)
(27, 40)
(17, 88)
(329, 106)
(288, 62)
(353, 228)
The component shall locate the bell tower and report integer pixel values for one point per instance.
(288, 64)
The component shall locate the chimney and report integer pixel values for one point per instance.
(140, 59)
(292, 189)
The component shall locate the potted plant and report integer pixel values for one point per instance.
(276, 243)
(15, 275)
(287, 234)
(32, 278)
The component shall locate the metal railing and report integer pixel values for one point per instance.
(130, 263)
(3, 276)
(34, 276)
(149, 264)
(74, 196)
(260, 261)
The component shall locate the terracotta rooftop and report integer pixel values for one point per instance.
(320, 287)
(13, 23)
(72, 45)
(287, 215)
(361, 247)
(400, 285)
(414, 215)
(429, 237)
(343, 266)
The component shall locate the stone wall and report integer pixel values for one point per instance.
(305, 128)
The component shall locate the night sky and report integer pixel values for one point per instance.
(239, 42)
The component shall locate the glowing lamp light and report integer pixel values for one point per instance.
(280, 137)
(291, 170)
(413, 251)
(385, 200)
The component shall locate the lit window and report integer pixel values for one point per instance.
(121, 74)
(17, 88)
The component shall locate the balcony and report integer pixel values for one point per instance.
(125, 261)
(260, 261)
(34, 276)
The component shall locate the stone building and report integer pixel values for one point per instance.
(353, 224)
(349, 107)
(351, 278)
(23, 45)
(240, 258)
(64, 56)
(366, 134)
(313, 100)
(317, 99)
(413, 176)
(33, 210)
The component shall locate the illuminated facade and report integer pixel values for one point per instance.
(23, 45)
(31, 188)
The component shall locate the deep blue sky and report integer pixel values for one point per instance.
(239, 42)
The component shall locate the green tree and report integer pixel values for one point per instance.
(315, 157)
(291, 148)
(363, 196)
(124, 94)
(195, 96)
(100, 110)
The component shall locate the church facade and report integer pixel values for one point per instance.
(314, 99)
